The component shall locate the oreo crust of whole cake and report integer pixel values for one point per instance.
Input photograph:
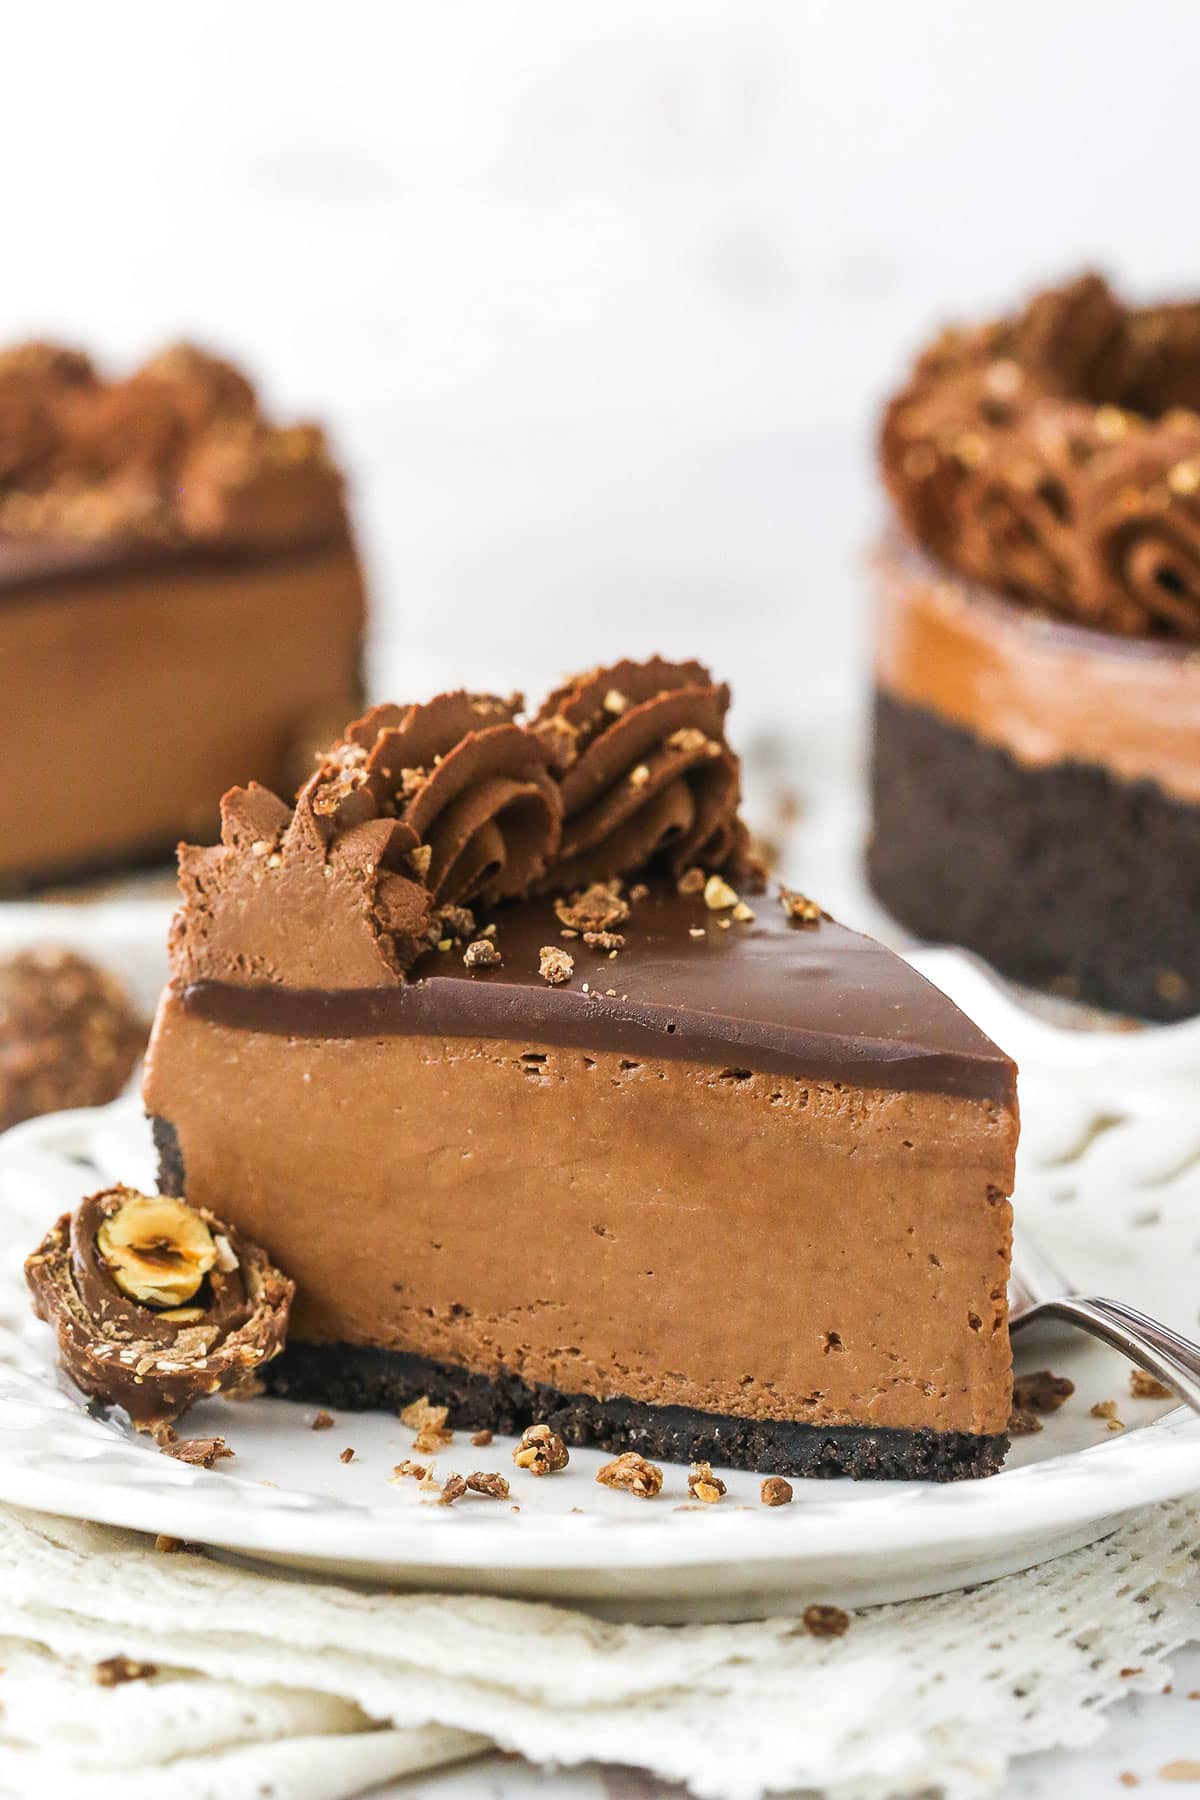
(1036, 774)
(180, 597)
(496, 1045)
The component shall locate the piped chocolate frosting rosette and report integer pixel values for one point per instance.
(472, 785)
(1142, 522)
(647, 781)
(156, 1304)
(1053, 455)
(414, 815)
(179, 451)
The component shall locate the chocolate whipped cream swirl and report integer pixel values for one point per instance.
(1141, 519)
(414, 811)
(1030, 455)
(472, 785)
(178, 451)
(646, 778)
(150, 1355)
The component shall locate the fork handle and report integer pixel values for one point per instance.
(1147, 1342)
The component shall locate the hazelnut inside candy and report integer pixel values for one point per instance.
(155, 1303)
(158, 1250)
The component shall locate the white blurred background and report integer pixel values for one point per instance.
(599, 299)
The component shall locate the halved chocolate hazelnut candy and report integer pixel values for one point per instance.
(156, 1304)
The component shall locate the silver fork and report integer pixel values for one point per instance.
(1037, 1290)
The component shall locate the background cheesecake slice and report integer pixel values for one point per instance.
(731, 1186)
(181, 606)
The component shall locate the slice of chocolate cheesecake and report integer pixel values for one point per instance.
(660, 1162)
(181, 605)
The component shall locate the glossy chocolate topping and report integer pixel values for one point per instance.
(1045, 691)
(50, 566)
(770, 996)
(1055, 455)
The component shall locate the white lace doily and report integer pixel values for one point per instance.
(269, 1684)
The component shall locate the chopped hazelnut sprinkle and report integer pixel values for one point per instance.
(1107, 1410)
(555, 965)
(704, 1485)
(114, 1671)
(453, 1488)
(633, 1474)
(429, 1423)
(1041, 1392)
(481, 954)
(347, 1455)
(595, 908)
(541, 1451)
(1144, 1386)
(718, 894)
(604, 940)
(494, 1486)
(202, 1453)
(324, 1421)
(482, 1438)
(775, 1491)
(825, 1621)
(798, 907)
(691, 882)
(1022, 1422)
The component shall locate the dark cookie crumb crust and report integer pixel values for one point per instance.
(352, 1378)
(1062, 877)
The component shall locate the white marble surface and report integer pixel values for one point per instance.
(600, 301)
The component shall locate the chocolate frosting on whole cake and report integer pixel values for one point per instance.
(177, 454)
(1055, 455)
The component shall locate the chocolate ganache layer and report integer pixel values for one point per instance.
(777, 996)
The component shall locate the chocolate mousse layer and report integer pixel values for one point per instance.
(689, 1205)
(1036, 789)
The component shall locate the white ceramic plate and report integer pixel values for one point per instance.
(1109, 1138)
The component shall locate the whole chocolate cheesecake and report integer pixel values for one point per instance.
(1036, 770)
(494, 1046)
(181, 605)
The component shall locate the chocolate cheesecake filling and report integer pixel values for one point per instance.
(717, 1214)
